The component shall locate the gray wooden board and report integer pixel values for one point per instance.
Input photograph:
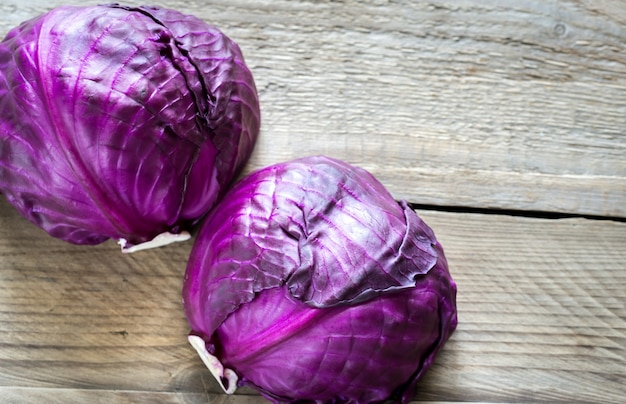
(542, 316)
(497, 104)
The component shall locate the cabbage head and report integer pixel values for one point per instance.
(310, 283)
(121, 122)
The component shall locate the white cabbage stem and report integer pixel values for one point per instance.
(159, 241)
(215, 366)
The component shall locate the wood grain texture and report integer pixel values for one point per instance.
(496, 104)
(21, 395)
(542, 316)
(505, 104)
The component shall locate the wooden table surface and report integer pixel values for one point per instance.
(502, 121)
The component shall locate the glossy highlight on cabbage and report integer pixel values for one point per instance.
(310, 283)
(121, 122)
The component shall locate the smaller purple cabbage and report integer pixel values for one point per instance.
(121, 122)
(310, 283)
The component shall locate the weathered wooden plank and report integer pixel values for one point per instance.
(542, 310)
(21, 395)
(542, 314)
(77, 396)
(508, 104)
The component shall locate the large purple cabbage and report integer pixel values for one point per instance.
(121, 122)
(311, 283)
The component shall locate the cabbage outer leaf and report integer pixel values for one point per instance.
(329, 231)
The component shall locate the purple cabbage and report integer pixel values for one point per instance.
(310, 283)
(121, 122)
